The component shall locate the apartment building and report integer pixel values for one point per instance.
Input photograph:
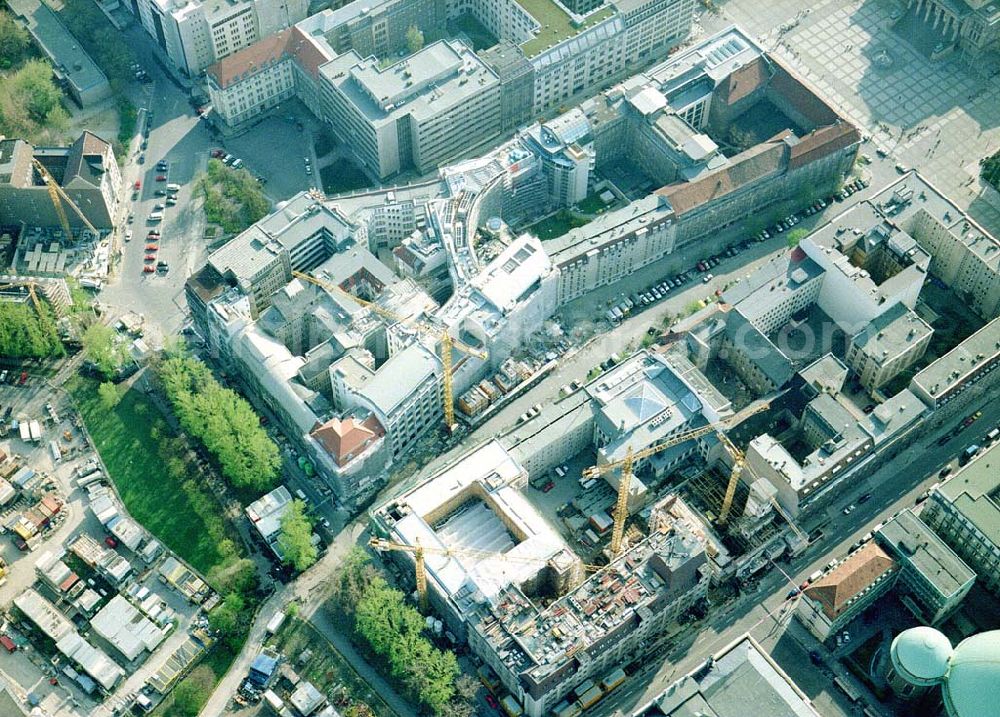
(86, 170)
(975, 359)
(889, 345)
(965, 512)
(196, 34)
(417, 112)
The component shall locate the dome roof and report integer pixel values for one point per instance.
(975, 672)
(921, 655)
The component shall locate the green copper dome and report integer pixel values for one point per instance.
(972, 686)
(920, 655)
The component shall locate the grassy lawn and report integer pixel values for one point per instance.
(149, 465)
(556, 25)
(343, 176)
(326, 668)
(557, 225)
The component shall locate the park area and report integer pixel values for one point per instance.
(154, 473)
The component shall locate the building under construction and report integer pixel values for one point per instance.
(491, 562)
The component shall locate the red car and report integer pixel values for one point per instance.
(548, 486)
(152, 247)
(216, 153)
(150, 257)
(137, 186)
(161, 177)
(111, 542)
(492, 701)
(24, 378)
(148, 269)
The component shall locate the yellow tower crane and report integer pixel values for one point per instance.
(58, 196)
(621, 504)
(447, 341)
(419, 551)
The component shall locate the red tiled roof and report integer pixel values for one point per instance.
(250, 60)
(850, 578)
(343, 439)
(744, 81)
(749, 166)
(806, 102)
(821, 142)
(307, 52)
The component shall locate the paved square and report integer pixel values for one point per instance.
(940, 117)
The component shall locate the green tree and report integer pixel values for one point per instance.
(188, 698)
(414, 39)
(14, 41)
(223, 421)
(110, 396)
(295, 537)
(795, 236)
(234, 576)
(33, 83)
(227, 618)
(990, 170)
(99, 347)
(26, 332)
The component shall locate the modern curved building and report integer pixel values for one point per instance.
(968, 674)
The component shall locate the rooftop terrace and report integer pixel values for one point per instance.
(555, 24)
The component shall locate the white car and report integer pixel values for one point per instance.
(128, 235)
(707, 278)
(849, 509)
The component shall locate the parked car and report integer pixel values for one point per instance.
(849, 509)
(148, 269)
(111, 542)
(138, 185)
(161, 177)
(152, 247)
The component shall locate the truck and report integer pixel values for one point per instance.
(968, 454)
(25, 431)
(35, 430)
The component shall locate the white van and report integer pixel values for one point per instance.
(173, 187)
(156, 216)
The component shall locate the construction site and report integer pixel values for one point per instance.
(581, 539)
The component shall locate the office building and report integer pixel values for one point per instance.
(261, 76)
(79, 74)
(970, 27)
(887, 346)
(417, 112)
(934, 580)
(965, 512)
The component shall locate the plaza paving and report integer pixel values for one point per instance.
(940, 117)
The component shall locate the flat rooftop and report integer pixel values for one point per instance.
(975, 493)
(741, 675)
(71, 59)
(915, 543)
(556, 24)
(980, 349)
(442, 75)
(892, 333)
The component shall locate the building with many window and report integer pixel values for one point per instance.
(261, 76)
(194, 34)
(416, 113)
(965, 512)
(934, 580)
